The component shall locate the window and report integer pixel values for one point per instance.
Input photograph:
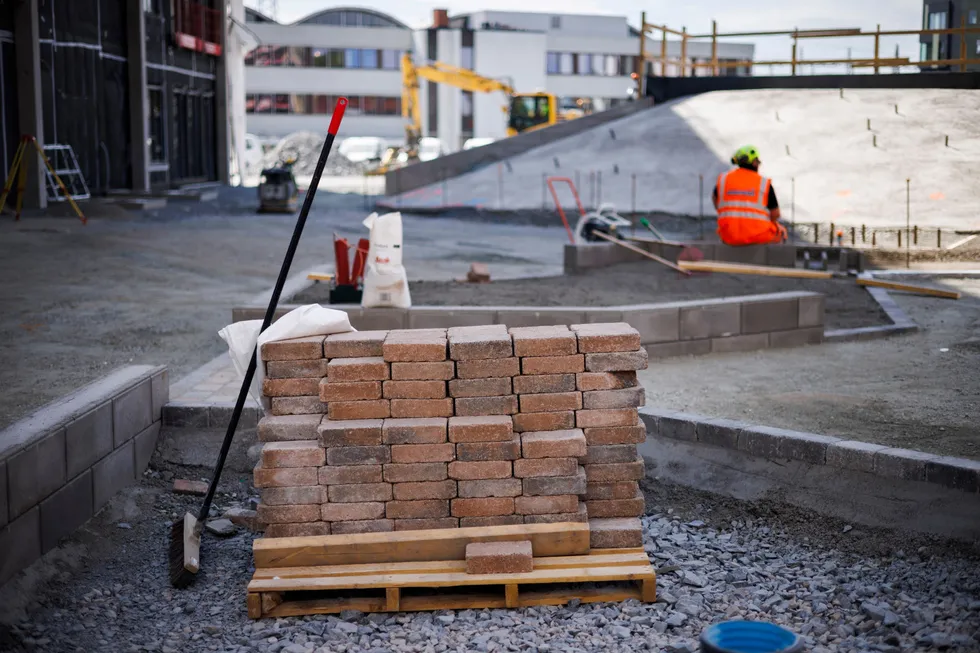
(262, 55)
(390, 59)
(972, 17)
(249, 104)
(612, 65)
(389, 106)
(158, 151)
(466, 106)
(319, 104)
(554, 63)
(556, 22)
(567, 63)
(335, 59)
(466, 58)
(937, 20)
(263, 103)
(598, 62)
(282, 103)
(352, 58)
(298, 56)
(319, 58)
(584, 64)
(250, 58)
(369, 59)
(299, 104)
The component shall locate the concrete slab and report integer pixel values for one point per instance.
(656, 325)
(3, 493)
(763, 316)
(710, 321)
(36, 472)
(750, 342)
(160, 391)
(20, 544)
(88, 438)
(66, 510)
(144, 444)
(113, 473)
(796, 337)
(132, 412)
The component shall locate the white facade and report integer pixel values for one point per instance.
(578, 58)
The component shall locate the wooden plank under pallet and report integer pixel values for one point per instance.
(909, 288)
(560, 539)
(439, 585)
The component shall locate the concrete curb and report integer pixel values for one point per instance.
(961, 474)
(62, 464)
(865, 483)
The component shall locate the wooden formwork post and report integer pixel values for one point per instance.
(877, 47)
(963, 55)
(793, 60)
(663, 54)
(714, 48)
(683, 52)
(641, 64)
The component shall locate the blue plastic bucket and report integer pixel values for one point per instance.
(749, 637)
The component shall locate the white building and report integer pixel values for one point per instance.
(584, 60)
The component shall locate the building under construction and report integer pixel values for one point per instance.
(136, 88)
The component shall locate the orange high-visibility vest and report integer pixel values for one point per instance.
(743, 218)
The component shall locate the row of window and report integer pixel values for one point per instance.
(307, 104)
(313, 57)
(606, 65)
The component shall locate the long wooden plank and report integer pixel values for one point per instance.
(381, 581)
(910, 288)
(547, 540)
(641, 239)
(641, 252)
(329, 606)
(763, 270)
(618, 559)
(605, 594)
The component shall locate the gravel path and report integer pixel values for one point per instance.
(845, 589)
(645, 282)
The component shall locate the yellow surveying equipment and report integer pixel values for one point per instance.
(19, 165)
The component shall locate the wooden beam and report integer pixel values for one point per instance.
(641, 252)
(559, 539)
(318, 276)
(909, 288)
(762, 270)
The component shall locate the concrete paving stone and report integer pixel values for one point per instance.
(719, 432)
(604, 315)
(411, 345)
(796, 337)
(811, 311)
(480, 343)
(606, 337)
(113, 473)
(185, 415)
(731, 344)
(427, 317)
(144, 444)
(783, 256)
(36, 472)
(904, 464)
(676, 426)
(20, 543)
(355, 344)
(655, 324)
(713, 320)
(499, 557)
(160, 392)
(3, 494)
(619, 361)
(955, 473)
(851, 454)
(277, 428)
(523, 317)
(378, 319)
(616, 533)
(774, 443)
(132, 411)
(220, 416)
(88, 438)
(680, 348)
(297, 406)
(554, 340)
(762, 316)
(66, 510)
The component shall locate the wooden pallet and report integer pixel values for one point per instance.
(603, 575)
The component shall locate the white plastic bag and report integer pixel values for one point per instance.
(308, 320)
(385, 281)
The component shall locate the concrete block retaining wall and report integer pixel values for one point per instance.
(62, 464)
(868, 483)
(424, 173)
(787, 319)
(599, 255)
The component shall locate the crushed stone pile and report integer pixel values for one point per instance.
(306, 146)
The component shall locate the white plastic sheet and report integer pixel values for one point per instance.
(308, 320)
(385, 280)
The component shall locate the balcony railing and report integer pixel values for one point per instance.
(197, 27)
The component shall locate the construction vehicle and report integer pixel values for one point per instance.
(278, 192)
(525, 111)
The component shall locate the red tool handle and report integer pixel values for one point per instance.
(360, 258)
(342, 259)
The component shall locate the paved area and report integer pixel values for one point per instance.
(666, 159)
(918, 391)
(156, 287)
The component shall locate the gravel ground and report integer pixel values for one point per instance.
(843, 588)
(848, 305)
(155, 288)
(917, 391)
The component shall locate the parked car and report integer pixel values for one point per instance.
(361, 149)
(476, 142)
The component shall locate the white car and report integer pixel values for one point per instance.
(477, 142)
(431, 148)
(252, 165)
(360, 149)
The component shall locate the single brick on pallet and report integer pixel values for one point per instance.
(301, 453)
(557, 421)
(608, 508)
(415, 389)
(554, 444)
(499, 557)
(273, 428)
(480, 343)
(369, 368)
(356, 410)
(355, 344)
(312, 405)
(581, 515)
(543, 341)
(350, 433)
(302, 349)
(417, 430)
(349, 390)
(619, 533)
(415, 345)
(481, 428)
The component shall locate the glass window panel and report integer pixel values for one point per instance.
(282, 103)
(249, 104)
(584, 64)
(352, 58)
(263, 103)
(389, 59)
(336, 59)
(466, 58)
(598, 63)
(390, 106)
(354, 103)
(370, 105)
(250, 58)
(554, 63)
(319, 104)
(612, 65)
(319, 57)
(369, 59)
(567, 63)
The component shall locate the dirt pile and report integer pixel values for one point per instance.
(305, 147)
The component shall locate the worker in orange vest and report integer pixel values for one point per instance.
(748, 212)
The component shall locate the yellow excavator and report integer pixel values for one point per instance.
(525, 111)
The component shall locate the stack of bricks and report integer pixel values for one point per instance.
(443, 428)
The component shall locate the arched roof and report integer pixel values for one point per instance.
(352, 17)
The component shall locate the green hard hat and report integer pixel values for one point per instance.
(746, 154)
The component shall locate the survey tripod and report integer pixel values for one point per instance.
(20, 166)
